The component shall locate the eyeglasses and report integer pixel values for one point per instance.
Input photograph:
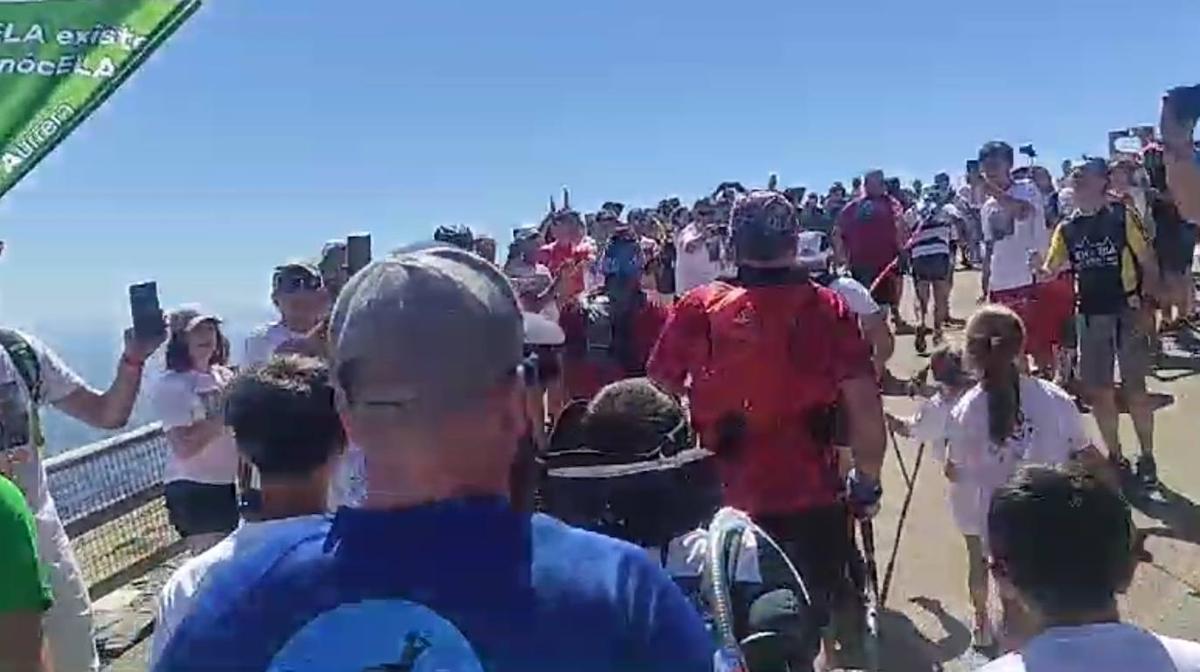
(290, 284)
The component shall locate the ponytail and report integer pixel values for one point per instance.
(995, 339)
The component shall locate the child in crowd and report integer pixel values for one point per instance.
(1006, 420)
(929, 424)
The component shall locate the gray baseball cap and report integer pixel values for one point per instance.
(424, 331)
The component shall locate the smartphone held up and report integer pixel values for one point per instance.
(148, 320)
(1185, 103)
(358, 252)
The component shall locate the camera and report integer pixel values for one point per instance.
(1028, 150)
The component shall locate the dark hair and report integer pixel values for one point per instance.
(631, 416)
(456, 235)
(1063, 538)
(995, 338)
(996, 147)
(623, 425)
(179, 360)
(283, 416)
(946, 366)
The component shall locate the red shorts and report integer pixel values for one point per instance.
(1055, 304)
(1028, 302)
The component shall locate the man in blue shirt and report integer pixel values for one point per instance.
(437, 571)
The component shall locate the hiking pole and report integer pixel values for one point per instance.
(908, 480)
(866, 529)
(912, 488)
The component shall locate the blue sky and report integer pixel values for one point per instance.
(269, 126)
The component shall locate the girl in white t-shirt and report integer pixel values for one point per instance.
(1006, 420)
(930, 425)
(202, 464)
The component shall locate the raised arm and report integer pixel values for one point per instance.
(111, 409)
(1183, 168)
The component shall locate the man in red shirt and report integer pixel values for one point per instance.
(764, 360)
(610, 332)
(870, 233)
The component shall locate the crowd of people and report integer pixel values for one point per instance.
(439, 461)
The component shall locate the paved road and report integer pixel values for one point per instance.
(929, 627)
(926, 625)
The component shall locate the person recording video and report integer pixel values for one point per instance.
(700, 249)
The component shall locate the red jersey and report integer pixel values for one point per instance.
(585, 371)
(558, 255)
(773, 357)
(869, 228)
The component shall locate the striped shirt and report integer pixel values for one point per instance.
(932, 234)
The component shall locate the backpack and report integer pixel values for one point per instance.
(608, 341)
(748, 382)
(29, 368)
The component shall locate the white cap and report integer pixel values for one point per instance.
(812, 250)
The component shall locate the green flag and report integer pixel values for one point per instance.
(61, 59)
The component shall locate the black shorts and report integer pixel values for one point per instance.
(818, 543)
(886, 291)
(201, 508)
(931, 268)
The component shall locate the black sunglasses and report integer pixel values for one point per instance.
(291, 283)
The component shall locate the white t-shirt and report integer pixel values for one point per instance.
(695, 268)
(262, 343)
(931, 424)
(856, 296)
(1010, 267)
(183, 399)
(1101, 647)
(177, 596)
(532, 279)
(1049, 430)
(68, 624)
(687, 557)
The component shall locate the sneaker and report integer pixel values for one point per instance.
(938, 337)
(919, 342)
(1147, 471)
(903, 328)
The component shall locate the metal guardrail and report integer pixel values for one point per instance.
(110, 497)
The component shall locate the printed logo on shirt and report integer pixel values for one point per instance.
(1091, 253)
(378, 636)
(1017, 445)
